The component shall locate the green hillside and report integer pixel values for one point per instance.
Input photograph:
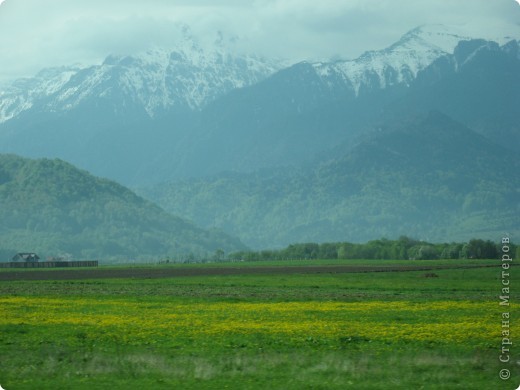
(428, 177)
(54, 209)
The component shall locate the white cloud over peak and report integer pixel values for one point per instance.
(36, 34)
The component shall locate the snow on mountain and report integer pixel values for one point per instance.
(157, 80)
(188, 77)
(22, 94)
(398, 63)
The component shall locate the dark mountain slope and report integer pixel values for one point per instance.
(299, 115)
(429, 177)
(281, 121)
(479, 85)
(51, 207)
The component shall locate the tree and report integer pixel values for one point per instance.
(423, 252)
(219, 255)
(480, 249)
(328, 251)
(451, 251)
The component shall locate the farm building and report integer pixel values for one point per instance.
(25, 258)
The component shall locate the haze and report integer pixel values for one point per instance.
(36, 34)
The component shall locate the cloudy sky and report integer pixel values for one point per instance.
(35, 34)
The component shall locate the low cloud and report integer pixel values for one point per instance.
(35, 34)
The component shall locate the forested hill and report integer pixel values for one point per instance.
(54, 209)
(426, 176)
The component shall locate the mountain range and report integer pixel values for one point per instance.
(429, 176)
(419, 138)
(160, 115)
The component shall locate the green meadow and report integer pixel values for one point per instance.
(438, 329)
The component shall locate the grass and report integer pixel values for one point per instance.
(318, 331)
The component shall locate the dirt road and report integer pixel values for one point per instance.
(171, 272)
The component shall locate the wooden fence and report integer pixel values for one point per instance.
(50, 264)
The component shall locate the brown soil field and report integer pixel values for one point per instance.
(171, 272)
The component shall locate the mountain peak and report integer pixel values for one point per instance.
(432, 36)
(398, 63)
(184, 77)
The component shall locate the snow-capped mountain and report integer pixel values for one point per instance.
(188, 77)
(150, 117)
(156, 81)
(398, 63)
(23, 94)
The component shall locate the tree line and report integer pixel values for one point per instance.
(404, 248)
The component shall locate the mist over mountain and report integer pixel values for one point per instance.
(419, 138)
